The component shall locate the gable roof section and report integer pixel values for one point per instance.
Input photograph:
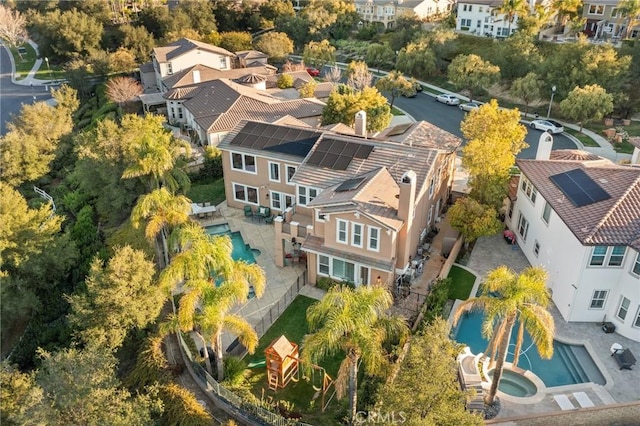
(614, 221)
(184, 45)
(251, 54)
(185, 77)
(421, 133)
(374, 196)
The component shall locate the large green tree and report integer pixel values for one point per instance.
(235, 41)
(417, 60)
(344, 102)
(508, 299)
(30, 145)
(473, 219)
(272, 10)
(495, 137)
(395, 84)
(472, 73)
(586, 104)
(356, 323)
(379, 54)
(119, 296)
(319, 54)
(527, 89)
(138, 41)
(630, 10)
(275, 44)
(429, 374)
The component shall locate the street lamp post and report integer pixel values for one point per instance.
(553, 92)
(32, 92)
(49, 68)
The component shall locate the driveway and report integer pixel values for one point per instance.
(423, 107)
(12, 96)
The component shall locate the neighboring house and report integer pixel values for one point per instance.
(482, 17)
(603, 20)
(201, 73)
(359, 208)
(251, 58)
(386, 12)
(578, 216)
(185, 53)
(211, 109)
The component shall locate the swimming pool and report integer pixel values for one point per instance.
(241, 250)
(569, 365)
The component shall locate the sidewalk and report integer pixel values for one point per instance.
(29, 80)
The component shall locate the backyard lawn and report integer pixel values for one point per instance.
(293, 324)
(212, 192)
(462, 283)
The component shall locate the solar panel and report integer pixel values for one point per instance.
(579, 188)
(399, 129)
(276, 138)
(364, 151)
(350, 184)
(342, 163)
(337, 154)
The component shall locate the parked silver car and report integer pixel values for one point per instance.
(448, 99)
(470, 106)
(547, 126)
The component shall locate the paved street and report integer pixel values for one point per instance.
(447, 117)
(12, 96)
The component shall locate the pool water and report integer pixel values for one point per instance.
(241, 250)
(569, 365)
(515, 384)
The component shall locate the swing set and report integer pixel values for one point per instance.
(283, 366)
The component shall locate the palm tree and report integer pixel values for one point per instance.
(508, 298)
(630, 9)
(205, 306)
(354, 322)
(161, 209)
(511, 8)
(157, 155)
(566, 9)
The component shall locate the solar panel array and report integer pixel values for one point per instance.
(271, 137)
(350, 184)
(337, 154)
(579, 188)
(399, 129)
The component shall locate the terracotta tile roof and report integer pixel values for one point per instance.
(220, 105)
(185, 77)
(299, 78)
(323, 90)
(315, 244)
(184, 45)
(182, 93)
(423, 134)
(615, 221)
(512, 190)
(289, 120)
(573, 155)
(374, 197)
(340, 128)
(251, 54)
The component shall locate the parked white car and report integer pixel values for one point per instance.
(547, 126)
(448, 99)
(470, 106)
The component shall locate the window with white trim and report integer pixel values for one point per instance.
(596, 9)
(528, 189)
(523, 226)
(223, 62)
(636, 323)
(607, 256)
(546, 212)
(274, 172)
(356, 234)
(341, 231)
(244, 193)
(344, 270)
(291, 170)
(169, 68)
(598, 299)
(323, 265)
(432, 185)
(635, 268)
(623, 309)
(536, 248)
(319, 216)
(617, 255)
(244, 162)
(306, 195)
(374, 238)
(614, 12)
(430, 215)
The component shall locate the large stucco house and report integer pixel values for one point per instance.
(578, 216)
(603, 19)
(357, 207)
(482, 17)
(386, 12)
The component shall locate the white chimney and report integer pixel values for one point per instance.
(361, 124)
(196, 76)
(545, 143)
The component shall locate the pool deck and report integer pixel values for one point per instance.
(622, 385)
(259, 235)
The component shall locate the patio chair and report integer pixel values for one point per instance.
(264, 212)
(248, 211)
(624, 358)
(268, 219)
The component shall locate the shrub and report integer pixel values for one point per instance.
(285, 81)
(326, 283)
(235, 370)
(436, 300)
